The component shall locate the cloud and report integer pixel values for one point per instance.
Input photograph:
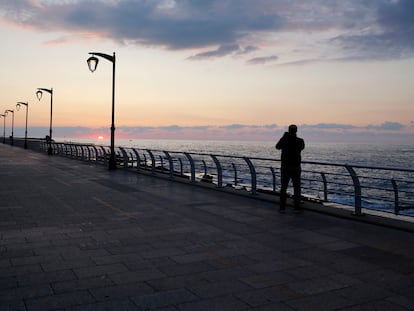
(391, 36)
(341, 30)
(387, 126)
(333, 126)
(262, 60)
(234, 126)
(392, 132)
(222, 50)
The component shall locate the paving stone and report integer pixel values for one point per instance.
(65, 264)
(365, 292)
(121, 305)
(183, 269)
(222, 303)
(34, 260)
(216, 289)
(176, 282)
(265, 296)
(121, 291)
(324, 301)
(20, 270)
(268, 279)
(315, 286)
(381, 305)
(8, 282)
(59, 301)
(403, 301)
(96, 271)
(136, 276)
(34, 279)
(84, 284)
(17, 305)
(77, 237)
(22, 293)
(275, 306)
(163, 299)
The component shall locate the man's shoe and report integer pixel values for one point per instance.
(282, 210)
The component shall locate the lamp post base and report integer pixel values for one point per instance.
(112, 163)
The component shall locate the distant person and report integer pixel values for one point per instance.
(291, 147)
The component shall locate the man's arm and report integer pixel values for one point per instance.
(281, 142)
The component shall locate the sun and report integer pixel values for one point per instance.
(100, 137)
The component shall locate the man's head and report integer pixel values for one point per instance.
(293, 129)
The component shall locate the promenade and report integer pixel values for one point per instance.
(75, 236)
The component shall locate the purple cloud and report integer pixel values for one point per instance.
(350, 29)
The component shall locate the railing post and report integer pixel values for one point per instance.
(273, 178)
(145, 160)
(170, 161)
(181, 166)
(82, 151)
(124, 157)
(96, 153)
(357, 190)
(325, 187)
(59, 146)
(75, 148)
(89, 153)
(138, 159)
(205, 167)
(192, 166)
(162, 162)
(396, 199)
(219, 171)
(104, 155)
(235, 174)
(252, 174)
(152, 160)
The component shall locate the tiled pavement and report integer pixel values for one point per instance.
(75, 236)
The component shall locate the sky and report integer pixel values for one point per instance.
(342, 70)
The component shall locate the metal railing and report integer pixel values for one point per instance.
(361, 187)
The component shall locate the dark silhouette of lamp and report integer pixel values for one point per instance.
(12, 136)
(93, 64)
(4, 127)
(18, 105)
(39, 94)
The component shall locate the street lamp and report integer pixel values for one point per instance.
(18, 105)
(92, 64)
(39, 94)
(12, 112)
(4, 127)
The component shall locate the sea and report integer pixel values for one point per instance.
(354, 154)
(383, 155)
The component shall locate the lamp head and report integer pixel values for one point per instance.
(39, 94)
(19, 105)
(92, 63)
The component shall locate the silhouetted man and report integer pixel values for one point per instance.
(291, 147)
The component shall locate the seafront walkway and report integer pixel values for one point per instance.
(75, 236)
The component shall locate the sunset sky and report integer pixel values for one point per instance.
(342, 70)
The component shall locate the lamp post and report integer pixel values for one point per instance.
(12, 112)
(39, 94)
(92, 64)
(18, 105)
(4, 127)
